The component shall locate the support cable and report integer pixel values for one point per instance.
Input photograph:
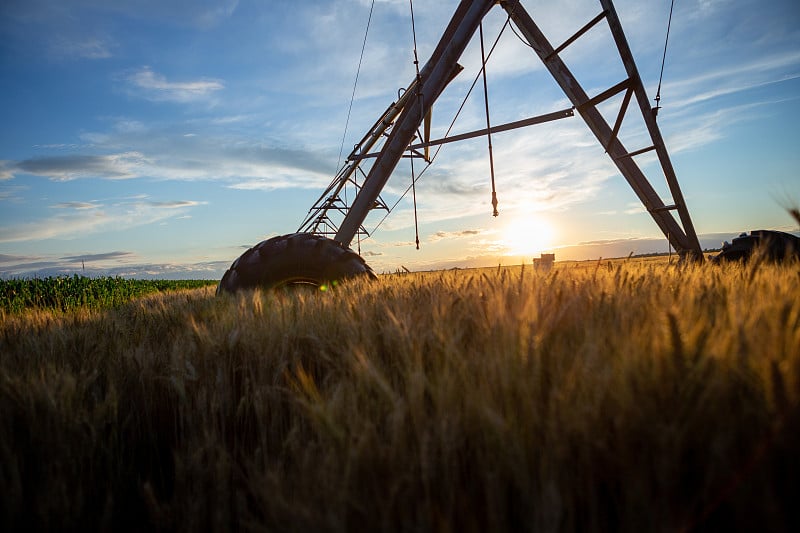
(421, 118)
(416, 58)
(663, 59)
(488, 124)
(389, 210)
(355, 84)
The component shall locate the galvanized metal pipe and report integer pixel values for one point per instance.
(434, 77)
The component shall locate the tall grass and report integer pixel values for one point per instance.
(619, 397)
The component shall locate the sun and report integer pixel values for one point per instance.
(527, 236)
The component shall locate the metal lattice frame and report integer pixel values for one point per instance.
(399, 124)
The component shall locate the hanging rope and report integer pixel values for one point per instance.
(355, 84)
(421, 113)
(488, 124)
(663, 59)
(449, 129)
(414, 196)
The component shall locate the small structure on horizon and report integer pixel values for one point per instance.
(545, 261)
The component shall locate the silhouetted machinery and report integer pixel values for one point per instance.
(319, 253)
(772, 245)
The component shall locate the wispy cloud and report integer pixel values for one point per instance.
(175, 204)
(731, 79)
(97, 257)
(635, 209)
(6, 170)
(6, 259)
(281, 179)
(230, 119)
(535, 169)
(83, 48)
(201, 14)
(153, 86)
(114, 166)
(79, 219)
(243, 164)
(208, 16)
(11, 193)
(118, 263)
(56, 227)
(441, 235)
(76, 205)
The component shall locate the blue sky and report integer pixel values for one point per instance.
(162, 138)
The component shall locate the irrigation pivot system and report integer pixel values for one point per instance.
(319, 253)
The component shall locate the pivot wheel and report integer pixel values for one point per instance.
(295, 259)
(772, 245)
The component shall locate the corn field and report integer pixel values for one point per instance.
(66, 293)
(626, 396)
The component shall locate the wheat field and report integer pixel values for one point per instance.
(607, 396)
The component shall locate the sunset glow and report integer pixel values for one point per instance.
(527, 236)
(163, 139)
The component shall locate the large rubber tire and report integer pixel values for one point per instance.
(772, 245)
(295, 259)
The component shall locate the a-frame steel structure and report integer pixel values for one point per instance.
(401, 121)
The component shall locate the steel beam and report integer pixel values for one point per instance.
(685, 242)
(530, 121)
(649, 117)
(317, 215)
(433, 79)
(438, 71)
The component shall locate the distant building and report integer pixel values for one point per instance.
(545, 262)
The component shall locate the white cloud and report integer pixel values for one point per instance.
(64, 226)
(731, 79)
(635, 209)
(76, 205)
(211, 15)
(231, 119)
(11, 194)
(118, 263)
(707, 7)
(6, 170)
(85, 48)
(440, 235)
(129, 126)
(280, 180)
(243, 163)
(175, 204)
(81, 219)
(153, 86)
(541, 168)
